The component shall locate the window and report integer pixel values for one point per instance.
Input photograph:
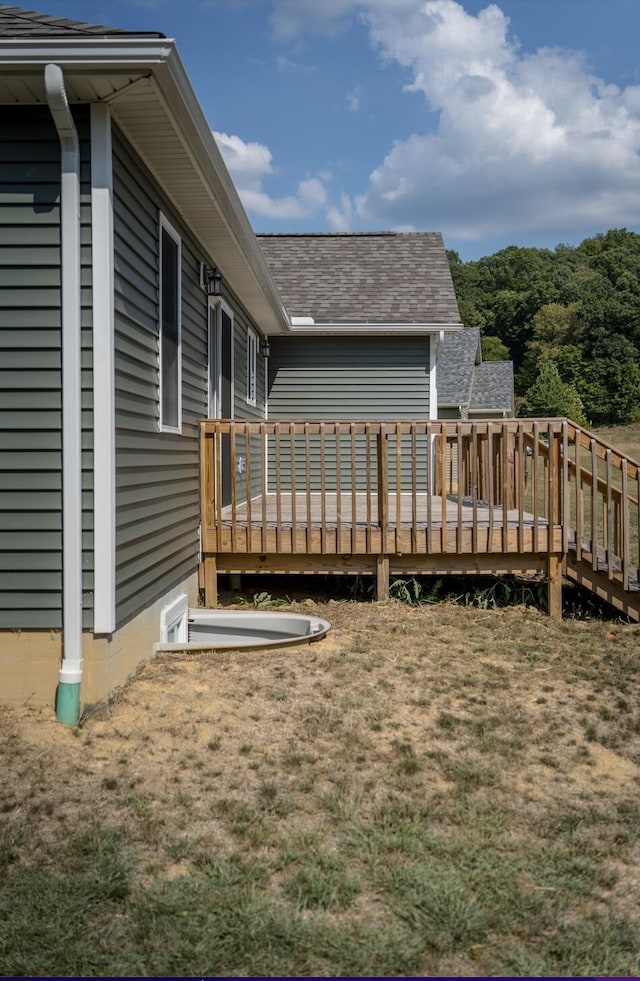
(170, 340)
(252, 366)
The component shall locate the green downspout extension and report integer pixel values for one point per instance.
(68, 697)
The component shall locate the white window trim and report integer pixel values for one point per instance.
(214, 336)
(166, 225)
(252, 367)
(213, 357)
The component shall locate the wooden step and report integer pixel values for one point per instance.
(610, 590)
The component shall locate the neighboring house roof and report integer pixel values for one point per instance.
(374, 277)
(16, 22)
(151, 99)
(460, 353)
(492, 387)
(468, 382)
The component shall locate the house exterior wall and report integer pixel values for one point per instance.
(157, 473)
(30, 370)
(349, 378)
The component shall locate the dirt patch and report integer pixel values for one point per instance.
(539, 705)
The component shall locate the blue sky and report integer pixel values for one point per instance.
(516, 122)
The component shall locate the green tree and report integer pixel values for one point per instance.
(576, 307)
(612, 385)
(493, 349)
(550, 396)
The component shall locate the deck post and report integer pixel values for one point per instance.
(554, 586)
(210, 581)
(382, 577)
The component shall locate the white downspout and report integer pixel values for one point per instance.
(68, 696)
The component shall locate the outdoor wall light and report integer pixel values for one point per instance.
(265, 348)
(211, 280)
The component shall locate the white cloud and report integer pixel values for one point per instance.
(250, 164)
(340, 218)
(290, 18)
(299, 67)
(525, 142)
(354, 98)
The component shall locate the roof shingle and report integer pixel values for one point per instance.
(374, 277)
(17, 22)
(492, 387)
(460, 353)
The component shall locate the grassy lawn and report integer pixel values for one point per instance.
(429, 790)
(624, 438)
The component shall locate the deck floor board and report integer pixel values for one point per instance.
(424, 513)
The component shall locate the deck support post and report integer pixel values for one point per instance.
(210, 581)
(554, 586)
(382, 577)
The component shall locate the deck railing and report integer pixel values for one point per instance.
(338, 495)
(371, 485)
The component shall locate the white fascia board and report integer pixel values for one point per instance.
(104, 432)
(369, 328)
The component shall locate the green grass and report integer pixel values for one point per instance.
(434, 802)
(463, 880)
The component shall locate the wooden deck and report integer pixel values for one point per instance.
(428, 511)
(418, 497)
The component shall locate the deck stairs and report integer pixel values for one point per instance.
(602, 534)
(602, 575)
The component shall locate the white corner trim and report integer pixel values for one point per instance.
(104, 425)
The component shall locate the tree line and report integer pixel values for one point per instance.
(569, 318)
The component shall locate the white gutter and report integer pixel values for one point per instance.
(365, 327)
(68, 700)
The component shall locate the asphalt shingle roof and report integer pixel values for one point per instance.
(455, 367)
(17, 22)
(492, 386)
(378, 277)
(465, 380)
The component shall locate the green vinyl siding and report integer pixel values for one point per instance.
(157, 473)
(30, 370)
(348, 378)
(242, 409)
